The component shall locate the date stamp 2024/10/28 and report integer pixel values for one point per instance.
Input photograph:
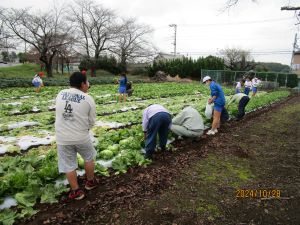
(258, 193)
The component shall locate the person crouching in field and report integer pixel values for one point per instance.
(218, 98)
(129, 89)
(188, 123)
(38, 82)
(75, 116)
(242, 100)
(156, 120)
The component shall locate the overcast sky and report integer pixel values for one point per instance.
(202, 29)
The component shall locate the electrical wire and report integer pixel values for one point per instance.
(231, 23)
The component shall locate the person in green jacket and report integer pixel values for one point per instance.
(188, 123)
(242, 100)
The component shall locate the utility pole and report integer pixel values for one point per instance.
(295, 46)
(294, 49)
(175, 33)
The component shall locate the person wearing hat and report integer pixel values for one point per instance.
(38, 82)
(218, 98)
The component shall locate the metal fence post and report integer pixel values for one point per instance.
(201, 75)
(286, 80)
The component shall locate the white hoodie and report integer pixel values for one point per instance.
(75, 116)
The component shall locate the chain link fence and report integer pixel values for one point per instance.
(269, 79)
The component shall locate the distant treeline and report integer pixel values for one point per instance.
(186, 67)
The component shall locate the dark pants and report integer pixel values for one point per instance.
(247, 90)
(129, 92)
(224, 115)
(242, 105)
(158, 124)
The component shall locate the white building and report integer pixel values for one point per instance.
(165, 56)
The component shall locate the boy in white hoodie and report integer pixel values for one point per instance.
(75, 116)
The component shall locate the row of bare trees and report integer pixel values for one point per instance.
(83, 27)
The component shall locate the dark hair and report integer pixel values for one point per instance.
(124, 75)
(76, 79)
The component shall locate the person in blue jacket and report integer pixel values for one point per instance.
(122, 87)
(218, 98)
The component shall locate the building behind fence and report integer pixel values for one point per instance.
(274, 79)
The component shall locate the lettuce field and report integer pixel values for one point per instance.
(28, 160)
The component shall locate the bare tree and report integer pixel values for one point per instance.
(2, 33)
(6, 38)
(95, 26)
(65, 53)
(132, 42)
(45, 31)
(231, 3)
(237, 59)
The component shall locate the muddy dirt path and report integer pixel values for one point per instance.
(247, 174)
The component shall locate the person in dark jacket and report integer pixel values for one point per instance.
(129, 88)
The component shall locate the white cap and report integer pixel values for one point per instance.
(206, 78)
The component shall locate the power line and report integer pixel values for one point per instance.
(231, 23)
(257, 53)
(239, 23)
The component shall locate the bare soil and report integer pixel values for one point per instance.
(200, 182)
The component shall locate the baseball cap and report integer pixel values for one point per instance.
(206, 78)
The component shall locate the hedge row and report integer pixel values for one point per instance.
(108, 63)
(63, 81)
(186, 67)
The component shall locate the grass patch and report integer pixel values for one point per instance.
(216, 170)
(22, 70)
(200, 189)
(22, 75)
(28, 70)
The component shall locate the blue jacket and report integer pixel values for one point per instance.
(216, 90)
(123, 82)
